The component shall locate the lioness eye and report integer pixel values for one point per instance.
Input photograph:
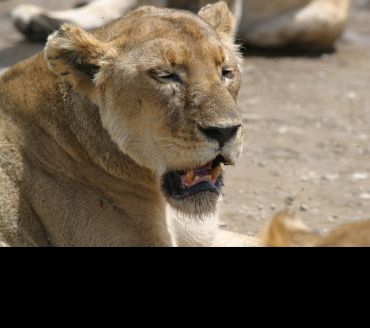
(165, 77)
(227, 73)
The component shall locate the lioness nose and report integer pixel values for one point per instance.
(220, 134)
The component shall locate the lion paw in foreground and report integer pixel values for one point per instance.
(266, 23)
(287, 229)
(118, 137)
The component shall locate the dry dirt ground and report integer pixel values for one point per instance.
(307, 143)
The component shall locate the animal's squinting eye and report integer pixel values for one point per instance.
(227, 73)
(165, 77)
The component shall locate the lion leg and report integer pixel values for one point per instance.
(37, 23)
(316, 25)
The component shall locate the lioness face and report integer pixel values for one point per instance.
(167, 96)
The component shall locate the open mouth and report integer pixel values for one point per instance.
(182, 184)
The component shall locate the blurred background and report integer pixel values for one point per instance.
(307, 117)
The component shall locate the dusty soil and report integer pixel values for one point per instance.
(307, 143)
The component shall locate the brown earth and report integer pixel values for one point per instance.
(307, 118)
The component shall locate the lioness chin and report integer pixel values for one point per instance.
(118, 137)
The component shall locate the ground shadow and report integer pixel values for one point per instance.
(19, 51)
(281, 52)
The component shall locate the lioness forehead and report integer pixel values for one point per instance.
(147, 21)
(148, 24)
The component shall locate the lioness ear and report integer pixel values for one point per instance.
(77, 55)
(221, 18)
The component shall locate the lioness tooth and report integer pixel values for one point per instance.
(216, 172)
(189, 177)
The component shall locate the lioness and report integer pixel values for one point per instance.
(118, 137)
(266, 23)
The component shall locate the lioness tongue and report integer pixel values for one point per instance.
(205, 173)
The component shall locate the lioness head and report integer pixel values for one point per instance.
(165, 82)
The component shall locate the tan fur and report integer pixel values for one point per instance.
(266, 23)
(88, 129)
(287, 229)
(231, 239)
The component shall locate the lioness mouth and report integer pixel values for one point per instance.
(181, 184)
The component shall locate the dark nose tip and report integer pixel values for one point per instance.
(220, 134)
